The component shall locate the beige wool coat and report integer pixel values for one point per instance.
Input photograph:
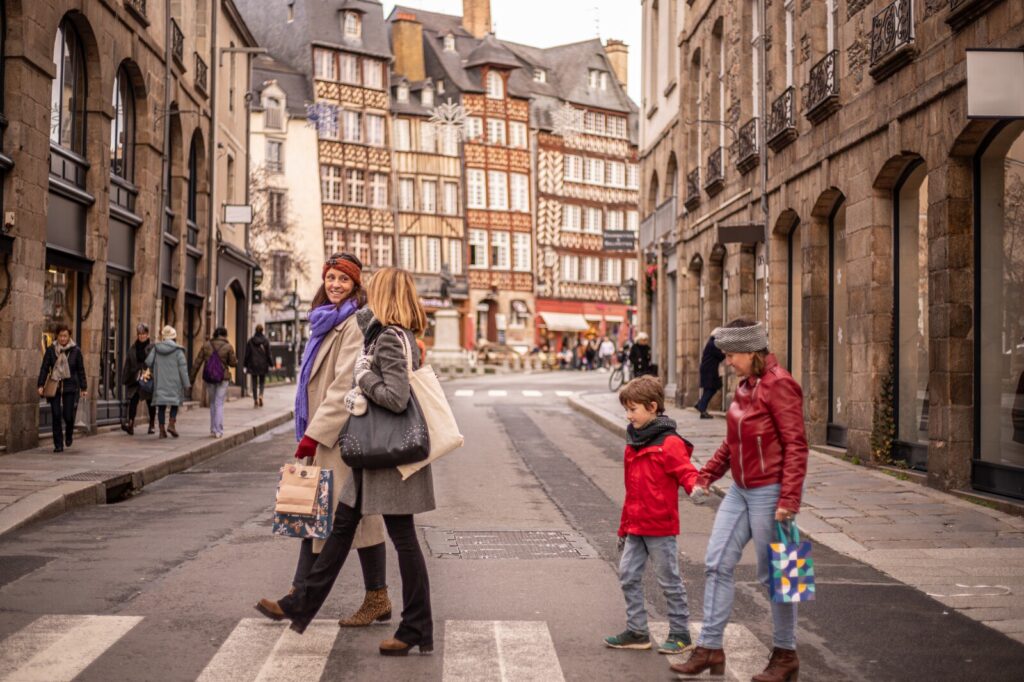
(329, 381)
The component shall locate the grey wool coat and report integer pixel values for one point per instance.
(387, 385)
(170, 373)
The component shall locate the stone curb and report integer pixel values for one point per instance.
(67, 495)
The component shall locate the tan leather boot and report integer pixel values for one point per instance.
(376, 607)
(170, 428)
(163, 431)
(783, 666)
(700, 660)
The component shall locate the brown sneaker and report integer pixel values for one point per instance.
(700, 660)
(783, 666)
(376, 607)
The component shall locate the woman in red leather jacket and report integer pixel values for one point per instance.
(765, 449)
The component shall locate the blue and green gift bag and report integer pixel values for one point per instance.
(315, 525)
(792, 568)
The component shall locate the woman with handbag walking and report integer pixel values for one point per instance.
(334, 345)
(170, 379)
(382, 377)
(765, 448)
(136, 378)
(215, 359)
(61, 382)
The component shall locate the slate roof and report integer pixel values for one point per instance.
(297, 87)
(491, 51)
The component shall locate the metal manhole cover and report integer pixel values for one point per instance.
(95, 476)
(508, 544)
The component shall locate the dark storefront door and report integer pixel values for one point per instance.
(116, 330)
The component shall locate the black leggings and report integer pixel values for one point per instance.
(372, 559)
(133, 407)
(62, 413)
(258, 381)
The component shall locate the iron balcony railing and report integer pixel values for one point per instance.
(177, 44)
(659, 224)
(201, 71)
(892, 38)
(715, 176)
(692, 188)
(823, 89)
(748, 152)
(781, 128)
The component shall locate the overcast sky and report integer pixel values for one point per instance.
(554, 22)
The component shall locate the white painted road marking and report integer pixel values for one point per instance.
(497, 394)
(59, 648)
(292, 657)
(532, 394)
(242, 654)
(745, 656)
(300, 658)
(564, 394)
(464, 393)
(502, 651)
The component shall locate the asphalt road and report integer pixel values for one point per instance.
(161, 586)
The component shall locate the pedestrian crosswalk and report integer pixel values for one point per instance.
(503, 393)
(58, 648)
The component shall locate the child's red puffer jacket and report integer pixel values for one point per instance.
(653, 474)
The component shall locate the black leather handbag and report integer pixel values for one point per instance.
(381, 439)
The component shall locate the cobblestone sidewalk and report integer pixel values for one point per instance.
(965, 555)
(38, 484)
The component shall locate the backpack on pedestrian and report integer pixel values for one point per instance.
(213, 369)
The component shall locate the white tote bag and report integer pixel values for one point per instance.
(444, 432)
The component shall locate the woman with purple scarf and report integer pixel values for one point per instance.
(335, 343)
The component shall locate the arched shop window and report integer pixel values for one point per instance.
(910, 269)
(838, 333)
(999, 314)
(67, 97)
(122, 128)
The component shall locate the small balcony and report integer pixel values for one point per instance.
(201, 71)
(748, 152)
(692, 189)
(177, 44)
(138, 9)
(892, 39)
(823, 90)
(781, 127)
(963, 12)
(715, 180)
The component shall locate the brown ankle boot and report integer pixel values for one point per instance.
(163, 431)
(131, 427)
(170, 428)
(376, 607)
(783, 666)
(700, 660)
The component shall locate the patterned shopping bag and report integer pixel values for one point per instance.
(315, 526)
(792, 568)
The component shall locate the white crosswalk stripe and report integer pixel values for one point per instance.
(495, 393)
(464, 393)
(502, 651)
(261, 651)
(745, 655)
(532, 394)
(59, 648)
(502, 393)
(565, 394)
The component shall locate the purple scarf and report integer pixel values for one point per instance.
(321, 320)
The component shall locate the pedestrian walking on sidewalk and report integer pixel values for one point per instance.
(606, 351)
(134, 370)
(768, 461)
(215, 359)
(335, 343)
(389, 326)
(257, 363)
(61, 382)
(640, 356)
(656, 463)
(710, 380)
(170, 379)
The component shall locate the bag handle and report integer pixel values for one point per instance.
(405, 345)
(794, 533)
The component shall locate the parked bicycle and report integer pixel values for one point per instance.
(621, 374)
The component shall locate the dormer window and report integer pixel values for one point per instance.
(403, 93)
(440, 87)
(274, 113)
(352, 25)
(495, 85)
(598, 79)
(449, 43)
(540, 76)
(427, 97)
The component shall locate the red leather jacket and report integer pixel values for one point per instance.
(765, 441)
(653, 475)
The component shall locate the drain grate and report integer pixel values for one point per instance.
(508, 544)
(96, 476)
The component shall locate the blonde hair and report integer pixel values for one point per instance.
(392, 296)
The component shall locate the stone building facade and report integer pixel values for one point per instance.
(888, 295)
(99, 233)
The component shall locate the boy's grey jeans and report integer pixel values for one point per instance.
(663, 552)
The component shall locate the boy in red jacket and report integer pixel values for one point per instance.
(657, 462)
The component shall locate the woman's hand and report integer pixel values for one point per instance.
(40, 391)
(784, 515)
(306, 448)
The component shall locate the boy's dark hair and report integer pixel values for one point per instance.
(643, 391)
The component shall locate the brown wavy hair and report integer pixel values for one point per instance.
(321, 298)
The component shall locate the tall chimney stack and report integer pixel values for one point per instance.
(618, 55)
(476, 17)
(407, 44)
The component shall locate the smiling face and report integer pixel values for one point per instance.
(338, 286)
(63, 337)
(640, 415)
(741, 363)
(143, 337)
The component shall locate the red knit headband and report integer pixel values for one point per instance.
(343, 265)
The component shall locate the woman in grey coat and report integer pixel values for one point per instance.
(170, 379)
(382, 376)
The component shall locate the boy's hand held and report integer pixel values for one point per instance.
(699, 494)
(621, 544)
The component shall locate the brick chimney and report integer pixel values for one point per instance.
(476, 17)
(618, 55)
(407, 44)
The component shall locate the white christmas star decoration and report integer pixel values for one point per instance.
(450, 117)
(567, 120)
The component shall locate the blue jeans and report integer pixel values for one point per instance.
(744, 514)
(217, 394)
(662, 550)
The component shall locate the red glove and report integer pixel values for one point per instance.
(306, 448)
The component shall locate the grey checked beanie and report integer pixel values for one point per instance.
(741, 339)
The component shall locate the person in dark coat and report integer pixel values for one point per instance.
(710, 379)
(257, 363)
(63, 363)
(640, 356)
(134, 367)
